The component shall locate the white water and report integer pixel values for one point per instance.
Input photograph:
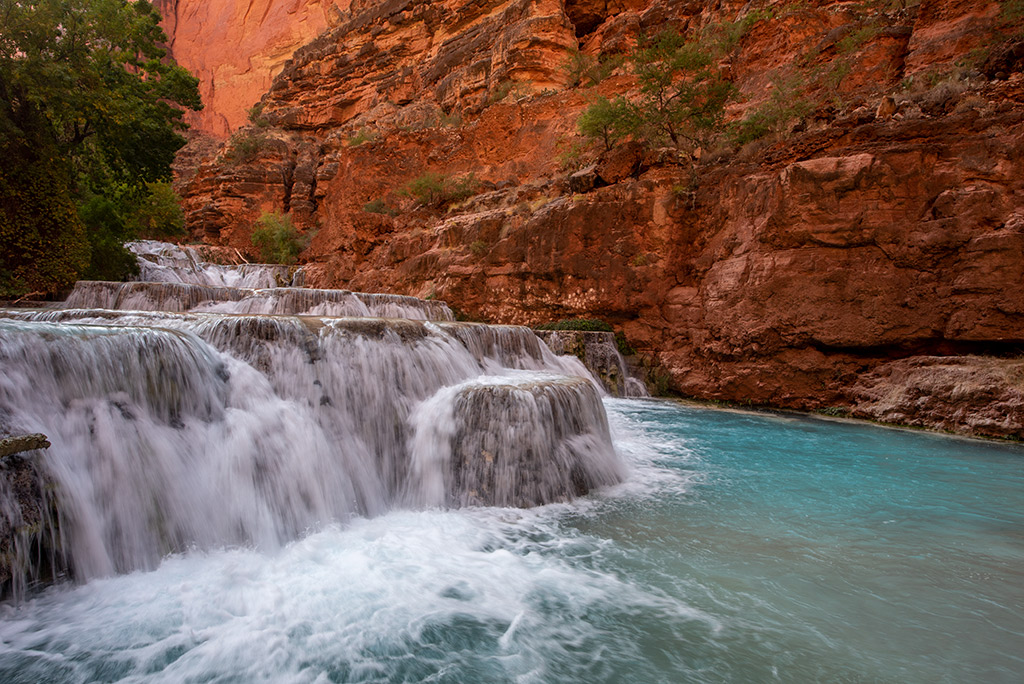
(173, 431)
(280, 300)
(740, 547)
(161, 262)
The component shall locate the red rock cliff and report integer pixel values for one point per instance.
(237, 47)
(868, 250)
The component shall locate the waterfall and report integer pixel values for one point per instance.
(205, 424)
(160, 262)
(170, 296)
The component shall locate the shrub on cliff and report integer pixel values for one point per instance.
(607, 120)
(583, 324)
(438, 190)
(682, 94)
(276, 240)
(89, 106)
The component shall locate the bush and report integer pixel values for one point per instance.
(782, 107)
(581, 324)
(438, 190)
(159, 214)
(244, 147)
(380, 206)
(43, 244)
(361, 136)
(277, 241)
(607, 120)
(583, 69)
(682, 94)
(107, 232)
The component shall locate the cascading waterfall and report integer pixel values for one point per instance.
(328, 490)
(161, 262)
(283, 300)
(205, 424)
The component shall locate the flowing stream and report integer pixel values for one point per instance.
(281, 498)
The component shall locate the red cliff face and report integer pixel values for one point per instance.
(237, 47)
(867, 251)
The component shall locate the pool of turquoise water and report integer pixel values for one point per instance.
(744, 547)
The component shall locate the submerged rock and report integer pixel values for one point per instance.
(29, 536)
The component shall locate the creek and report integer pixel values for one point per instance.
(292, 485)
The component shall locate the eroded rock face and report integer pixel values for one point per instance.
(967, 394)
(237, 47)
(887, 226)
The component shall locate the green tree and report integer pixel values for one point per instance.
(277, 240)
(87, 93)
(682, 94)
(158, 214)
(607, 120)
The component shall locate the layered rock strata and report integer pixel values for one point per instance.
(885, 224)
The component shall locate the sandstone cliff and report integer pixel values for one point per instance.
(805, 269)
(237, 48)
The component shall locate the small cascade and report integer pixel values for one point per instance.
(136, 296)
(600, 354)
(184, 416)
(476, 443)
(161, 262)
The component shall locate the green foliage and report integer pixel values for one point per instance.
(1011, 16)
(659, 380)
(607, 120)
(277, 241)
(835, 411)
(87, 85)
(437, 190)
(43, 244)
(245, 146)
(255, 114)
(361, 136)
(583, 324)
(783, 106)
(108, 231)
(727, 35)
(96, 73)
(856, 38)
(449, 120)
(479, 248)
(583, 69)
(506, 88)
(623, 344)
(158, 214)
(682, 94)
(572, 155)
(380, 206)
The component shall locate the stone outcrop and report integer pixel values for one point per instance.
(973, 394)
(887, 224)
(30, 548)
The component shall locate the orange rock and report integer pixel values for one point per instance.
(780, 274)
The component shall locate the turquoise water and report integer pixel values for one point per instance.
(743, 548)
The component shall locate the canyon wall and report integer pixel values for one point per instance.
(237, 47)
(863, 258)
